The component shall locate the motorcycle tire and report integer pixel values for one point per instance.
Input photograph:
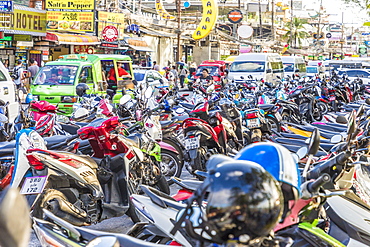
(162, 185)
(322, 107)
(274, 123)
(178, 148)
(198, 165)
(131, 212)
(170, 165)
(285, 117)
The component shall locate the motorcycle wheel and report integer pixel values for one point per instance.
(323, 108)
(162, 185)
(285, 117)
(199, 163)
(275, 125)
(170, 165)
(178, 148)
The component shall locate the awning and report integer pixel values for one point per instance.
(72, 39)
(141, 48)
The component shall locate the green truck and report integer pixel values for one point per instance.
(56, 82)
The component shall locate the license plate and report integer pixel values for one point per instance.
(191, 143)
(278, 116)
(253, 123)
(33, 185)
(181, 137)
(332, 98)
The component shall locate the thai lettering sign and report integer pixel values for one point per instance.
(111, 19)
(161, 11)
(77, 15)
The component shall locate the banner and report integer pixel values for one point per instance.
(68, 5)
(70, 21)
(209, 17)
(68, 15)
(24, 20)
(162, 12)
(111, 19)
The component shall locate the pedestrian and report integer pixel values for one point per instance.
(6, 64)
(18, 75)
(32, 71)
(169, 76)
(155, 66)
(176, 75)
(183, 75)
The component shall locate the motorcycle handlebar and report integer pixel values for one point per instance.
(340, 159)
(315, 185)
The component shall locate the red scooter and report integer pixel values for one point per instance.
(205, 135)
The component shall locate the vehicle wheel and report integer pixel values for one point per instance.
(199, 163)
(162, 185)
(178, 148)
(317, 114)
(323, 108)
(275, 125)
(170, 165)
(285, 117)
(131, 212)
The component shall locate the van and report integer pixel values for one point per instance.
(56, 82)
(8, 94)
(265, 66)
(294, 65)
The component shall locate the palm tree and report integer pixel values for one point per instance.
(298, 32)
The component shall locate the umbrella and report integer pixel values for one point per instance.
(181, 63)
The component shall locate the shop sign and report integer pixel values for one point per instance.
(22, 37)
(235, 16)
(6, 6)
(110, 33)
(7, 38)
(110, 45)
(161, 11)
(84, 49)
(25, 19)
(77, 15)
(35, 52)
(209, 17)
(111, 19)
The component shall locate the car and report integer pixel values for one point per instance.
(356, 73)
(8, 94)
(153, 77)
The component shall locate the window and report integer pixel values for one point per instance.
(86, 75)
(2, 76)
(301, 67)
(213, 70)
(157, 76)
(312, 70)
(288, 67)
(277, 66)
(56, 75)
(248, 66)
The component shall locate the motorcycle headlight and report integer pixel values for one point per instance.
(36, 97)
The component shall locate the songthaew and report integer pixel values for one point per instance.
(56, 82)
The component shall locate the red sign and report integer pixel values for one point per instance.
(110, 33)
(235, 16)
(109, 45)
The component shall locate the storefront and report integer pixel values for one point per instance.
(140, 52)
(22, 29)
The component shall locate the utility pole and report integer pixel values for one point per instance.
(179, 52)
(272, 20)
(260, 17)
(291, 23)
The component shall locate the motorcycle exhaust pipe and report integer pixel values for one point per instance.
(68, 212)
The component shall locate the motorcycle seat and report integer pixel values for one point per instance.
(329, 128)
(294, 149)
(266, 106)
(7, 148)
(187, 106)
(58, 141)
(134, 140)
(325, 146)
(180, 118)
(166, 124)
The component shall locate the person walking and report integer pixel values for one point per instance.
(18, 77)
(155, 66)
(175, 75)
(169, 76)
(32, 71)
(183, 75)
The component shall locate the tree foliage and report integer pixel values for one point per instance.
(297, 30)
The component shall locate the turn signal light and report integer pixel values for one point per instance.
(35, 162)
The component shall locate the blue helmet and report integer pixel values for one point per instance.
(279, 162)
(29, 98)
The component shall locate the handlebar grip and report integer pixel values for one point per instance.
(340, 159)
(315, 185)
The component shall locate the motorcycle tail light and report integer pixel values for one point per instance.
(149, 125)
(35, 162)
(192, 136)
(130, 155)
(252, 115)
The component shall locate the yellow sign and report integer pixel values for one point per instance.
(70, 21)
(209, 17)
(111, 19)
(69, 5)
(24, 20)
(162, 12)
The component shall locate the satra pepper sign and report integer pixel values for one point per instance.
(209, 17)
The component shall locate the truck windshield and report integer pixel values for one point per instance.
(56, 75)
(212, 70)
(247, 66)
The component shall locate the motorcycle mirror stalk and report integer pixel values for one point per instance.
(313, 147)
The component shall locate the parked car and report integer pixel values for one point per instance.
(152, 76)
(356, 73)
(8, 94)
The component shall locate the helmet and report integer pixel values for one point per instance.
(81, 89)
(244, 202)
(279, 162)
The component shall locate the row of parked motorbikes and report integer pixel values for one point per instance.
(278, 166)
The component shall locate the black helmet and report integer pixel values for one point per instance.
(81, 89)
(244, 203)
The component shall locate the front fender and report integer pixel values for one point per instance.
(168, 147)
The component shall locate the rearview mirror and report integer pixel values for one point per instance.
(302, 152)
(124, 99)
(341, 120)
(336, 139)
(314, 143)
(148, 92)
